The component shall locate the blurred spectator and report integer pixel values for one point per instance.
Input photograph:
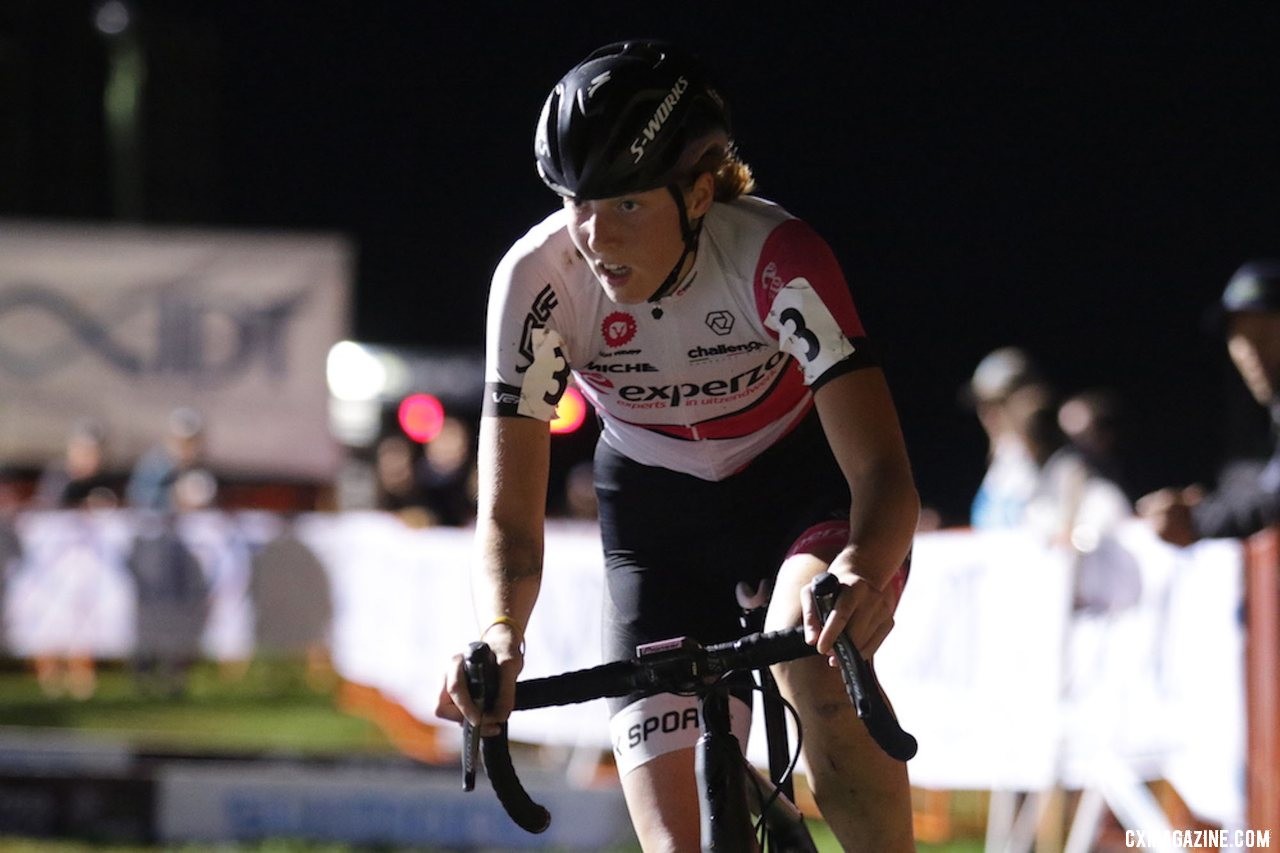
(10, 544)
(1247, 496)
(1036, 477)
(433, 486)
(1071, 503)
(1011, 474)
(293, 606)
(448, 474)
(399, 489)
(151, 484)
(172, 591)
(79, 479)
(1093, 421)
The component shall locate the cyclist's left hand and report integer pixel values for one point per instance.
(861, 611)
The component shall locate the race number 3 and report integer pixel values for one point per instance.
(806, 328)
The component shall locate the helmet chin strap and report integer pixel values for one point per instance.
(690, 234)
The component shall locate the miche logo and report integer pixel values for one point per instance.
(649, 396)
(618, 329)
(659, 118)
(666, 723)
(698, 353)
(623, 367)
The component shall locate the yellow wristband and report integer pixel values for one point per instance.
(513, 624)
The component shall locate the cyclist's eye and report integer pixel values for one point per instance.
(628, 205)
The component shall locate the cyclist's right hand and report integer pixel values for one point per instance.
(455, 702)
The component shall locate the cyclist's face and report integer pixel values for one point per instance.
(631, 242)
(1254, 344)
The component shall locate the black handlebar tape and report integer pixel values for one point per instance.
(527, 814)
(860, 680)
(611, 679)
(756, 651)
(481, 669)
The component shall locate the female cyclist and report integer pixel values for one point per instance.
(747, 432)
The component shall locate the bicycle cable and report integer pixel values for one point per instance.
(767, 802)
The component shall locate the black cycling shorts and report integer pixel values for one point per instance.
(676, 546)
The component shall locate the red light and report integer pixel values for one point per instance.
(571, 413)
(421, 417)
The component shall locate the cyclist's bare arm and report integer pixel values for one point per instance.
(514, 465)
(862, 427)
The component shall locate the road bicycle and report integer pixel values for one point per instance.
(730, 789)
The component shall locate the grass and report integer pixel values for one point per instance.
(266, 708)
(263, 709)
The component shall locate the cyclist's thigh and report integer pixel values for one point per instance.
(662, 797)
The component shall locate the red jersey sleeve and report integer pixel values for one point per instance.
(803, 299)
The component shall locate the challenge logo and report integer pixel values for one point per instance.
(618, 329)
(720, 322)
(701, 353)
(659, 118)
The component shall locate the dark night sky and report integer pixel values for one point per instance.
(1077, 180)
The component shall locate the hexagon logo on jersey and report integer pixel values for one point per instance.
(618, 329)
(720, 322)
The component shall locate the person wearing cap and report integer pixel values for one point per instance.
(152, 481)
(741, 406)
(1247, 496)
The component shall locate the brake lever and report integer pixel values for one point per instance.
(481, 669)
(860, 680)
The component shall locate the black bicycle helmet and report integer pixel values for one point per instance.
(632, 116)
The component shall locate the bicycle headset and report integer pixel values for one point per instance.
(631, 117)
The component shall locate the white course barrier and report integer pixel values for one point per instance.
(1008, 682)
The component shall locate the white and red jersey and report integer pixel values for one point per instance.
(700, 381)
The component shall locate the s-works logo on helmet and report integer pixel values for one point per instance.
(659, 118)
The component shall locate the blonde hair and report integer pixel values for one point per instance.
(732, 176)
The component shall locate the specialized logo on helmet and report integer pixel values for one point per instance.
(596, 82)
(659, 118)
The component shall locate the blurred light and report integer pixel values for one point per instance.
(354, 373)
(111, 18)
(421, 417)
(570, 414)
(355, 422)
